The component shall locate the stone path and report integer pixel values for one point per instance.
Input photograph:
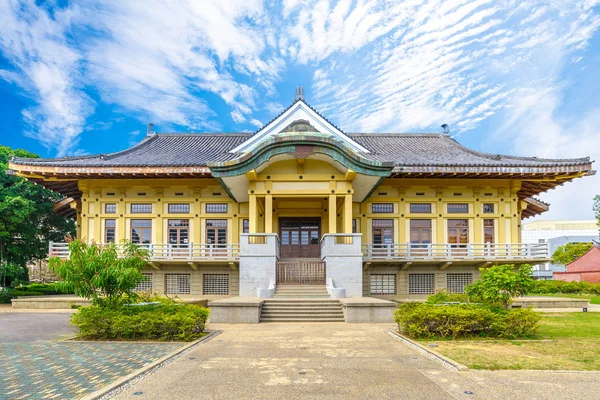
(35, 369)
(338, 361)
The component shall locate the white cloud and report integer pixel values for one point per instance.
(237, 117)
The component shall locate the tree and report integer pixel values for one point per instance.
(104, 274)
(27, 221)
(596, 209)
(570, 252)
(499, 284)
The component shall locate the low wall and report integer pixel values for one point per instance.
(59, 302)
(368, 310)
(550, 302)
(235, 310)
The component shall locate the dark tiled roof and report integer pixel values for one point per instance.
(157, 150)
(198, 149)
(426, 149)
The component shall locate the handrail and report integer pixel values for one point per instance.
(448, 251)
(167, 251)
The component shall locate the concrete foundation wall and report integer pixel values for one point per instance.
(197, 276)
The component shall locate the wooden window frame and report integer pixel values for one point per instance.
(132, 207)
(106, 208)
(143, 228)
(374, 207)
(112, 228)
(175, 206)
(449, 207)
(416, 207)
(208, 206)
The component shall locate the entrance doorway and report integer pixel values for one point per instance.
(300, 237)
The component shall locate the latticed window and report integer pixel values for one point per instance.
(420, 231)
(246, 226)
(140, 208)
(383, 284)
(141, 231)
(424, 208)
(456, 282)
(145, 284)
(458, 208)
(178, 283)
(109, 230)
(421, 283)
(217, 284)
(488, 231)
(383, 231)
(382, 208)
(488, 208)
(179, 208)
(458, 231)
(110, 208)
(216, 232)
(216, 208)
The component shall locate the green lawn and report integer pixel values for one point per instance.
(574, 345)
(593, 299)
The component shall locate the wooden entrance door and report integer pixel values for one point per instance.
(300, 237)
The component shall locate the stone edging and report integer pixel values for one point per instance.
(432, 354)
(128, 380)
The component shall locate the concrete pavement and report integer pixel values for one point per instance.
(338, 361)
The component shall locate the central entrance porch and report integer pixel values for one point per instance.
(300, 252)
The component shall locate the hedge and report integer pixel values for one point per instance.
(166, 321)
(552, 287)
(430, 321)
(34, 289)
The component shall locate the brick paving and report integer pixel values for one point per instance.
(66, 370)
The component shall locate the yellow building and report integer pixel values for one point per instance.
(300, 201)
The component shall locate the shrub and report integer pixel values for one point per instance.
(106, 275)
(428, 321)
(443, 296)
(499, 284)
(6, 294)
(42, 289)
(551, 287)
(165, 321)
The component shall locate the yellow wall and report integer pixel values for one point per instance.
(291, 197)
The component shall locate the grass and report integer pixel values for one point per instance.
(574, 345)
(593, 299)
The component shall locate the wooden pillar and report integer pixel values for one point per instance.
(268, 213)
(332, 209)
(252, 214)
(348, 213)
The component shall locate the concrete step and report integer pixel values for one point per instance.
(303, 316)
(296, 319)
(300, 300)
(295, 311)
(317, 307)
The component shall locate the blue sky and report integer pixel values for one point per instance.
(514, 77)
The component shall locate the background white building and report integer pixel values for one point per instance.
(557, 233)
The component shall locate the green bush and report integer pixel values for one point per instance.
(42, 289)
(6, 294)
(443, 296)
(500, 284)
(165, 321)
(552, 287)
(429, 321)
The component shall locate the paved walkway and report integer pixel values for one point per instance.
(33, 365)
(338, 361)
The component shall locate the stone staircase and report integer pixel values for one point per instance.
(308, 303)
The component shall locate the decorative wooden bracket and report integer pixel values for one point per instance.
(445, 264)
(484, 264)
(366, 266)
(193, 265)
(154, 265)
(405, 265)
(233, 266)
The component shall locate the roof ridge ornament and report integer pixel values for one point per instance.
(299, 94)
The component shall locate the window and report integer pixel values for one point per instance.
(215, 208)
(458, 231)
(178, 283)
(353, 226)
(141, 231)
(140, 208)
(383, 232)
(179, 232)
(381, 208)
(216, 284)
(246, 226)
(488, 208)
(109, 230)
(383, 284)
(421, 284)
(488, 231)
(216, 232)
(458, 208)
(420, 208)
(456, 282)
(145, 284)
(420, 231)
(179, 208)
(110, 208)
